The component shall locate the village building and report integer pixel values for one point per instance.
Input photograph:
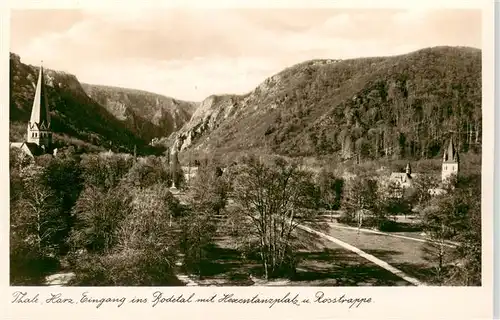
(449, 170)
(39, 135)
(403, 179)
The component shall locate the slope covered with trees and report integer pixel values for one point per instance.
(404, 106)
(147, 114)
(76, 119)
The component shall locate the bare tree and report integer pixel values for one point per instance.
(456, 216)
(149, 223)
(421, 190)
(98, 214)
(360, 195)
(436, 249)
(271, 199)
(40, 216)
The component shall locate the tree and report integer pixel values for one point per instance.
(456, 216)
(145, 234)
(271, 199)
(63, 176)
(145, 172)
(209, 192)
(149, 221)
(360, 195)
(39, 214)
(35, 222)
(210, 189)
(140, 243)
(469, 249)
(420, 194)
(331, 189)
(392, 201)
(436, 250)
(176, 170)
(18, 159)
(104, 170)
(98, 214)
(198, 229)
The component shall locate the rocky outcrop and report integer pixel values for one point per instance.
(147, 114)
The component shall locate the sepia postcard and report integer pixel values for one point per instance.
(247, 160)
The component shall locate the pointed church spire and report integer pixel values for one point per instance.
(450, 154)
(40, 116)
(450, 166)
(39, 132)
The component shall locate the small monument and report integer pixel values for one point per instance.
(174, 166)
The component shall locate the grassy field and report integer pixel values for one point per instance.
(325, 263)
(321, 263)
(404, 254)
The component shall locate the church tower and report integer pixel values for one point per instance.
(39, 131)
(450, 162)
(408, 169)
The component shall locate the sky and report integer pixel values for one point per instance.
(190, 54)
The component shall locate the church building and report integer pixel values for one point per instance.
(450, 163)
(449, 169)
(403, 179)
(39, 134)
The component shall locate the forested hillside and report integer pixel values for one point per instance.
(76, 119)
(403, 106)
(147, 114)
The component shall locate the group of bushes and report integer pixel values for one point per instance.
(103, 215)
(112, 219)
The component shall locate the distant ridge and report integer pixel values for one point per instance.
(398, 106)
(147, 114)
(403, 106)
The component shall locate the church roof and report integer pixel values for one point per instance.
(40, 112)
(450, 154)
(16, 144)
(31, 149)
(401, 176)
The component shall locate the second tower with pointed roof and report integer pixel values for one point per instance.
(450, 163)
